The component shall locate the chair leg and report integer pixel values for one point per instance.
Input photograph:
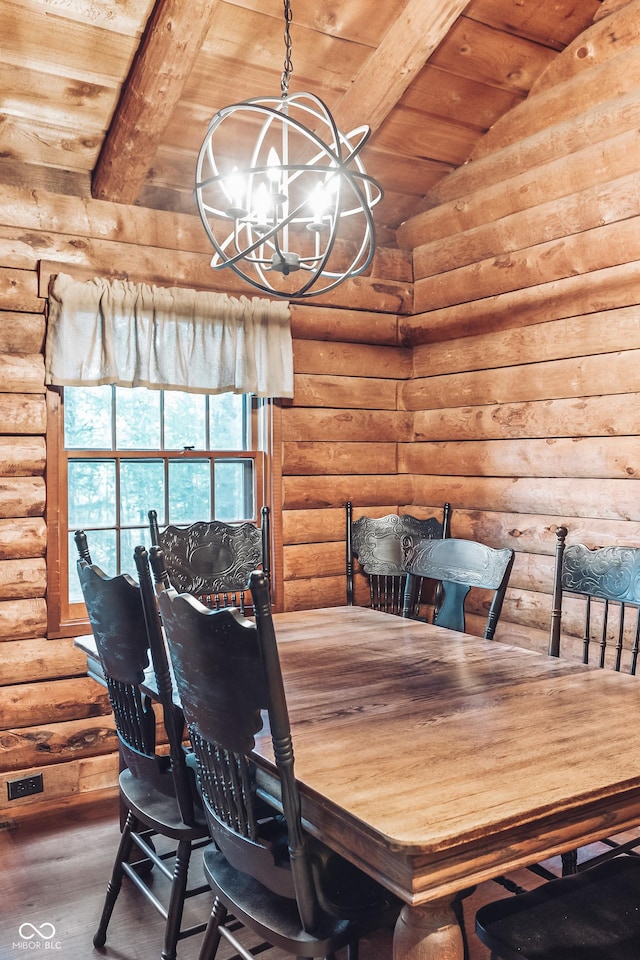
(353, 950)
(569, 863)
(458, 909)
(212, 933)
(176, 900)
(113, 887)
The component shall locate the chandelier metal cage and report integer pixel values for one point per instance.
(294, 220)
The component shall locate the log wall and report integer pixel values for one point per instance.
(504, 379)
(526, 324)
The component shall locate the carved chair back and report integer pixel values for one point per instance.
(459, 565)
(376, 542)
(228, 674)
(596, 597)
(213, 560)
(125, 624)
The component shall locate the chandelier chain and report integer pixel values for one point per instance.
(288, 63)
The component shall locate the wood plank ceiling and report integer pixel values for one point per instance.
(112, 100)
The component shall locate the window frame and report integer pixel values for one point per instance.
(64, 621)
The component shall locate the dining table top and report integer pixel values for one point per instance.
(435, 760)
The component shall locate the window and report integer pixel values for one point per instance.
(123, 451)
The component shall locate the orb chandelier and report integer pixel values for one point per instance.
(294, 218)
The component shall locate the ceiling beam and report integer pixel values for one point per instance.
(171, 42)
(400, 56)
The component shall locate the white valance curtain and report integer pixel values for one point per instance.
(138, 335)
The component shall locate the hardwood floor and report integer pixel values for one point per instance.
(55, 871)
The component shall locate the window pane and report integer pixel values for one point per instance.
(87, 418)
(92, 493)
(102, 547)
(141, 488)
(227, 421)
(137, 418)
(129, 540)
(234, 490)
(184, 420)
(189, 490)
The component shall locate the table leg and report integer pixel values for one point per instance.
(428, 932)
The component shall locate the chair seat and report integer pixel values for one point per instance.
(160, 812)
(593, 915)
(276, 919)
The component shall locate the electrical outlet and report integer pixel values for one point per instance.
(25, 787)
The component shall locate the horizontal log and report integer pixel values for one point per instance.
(22, 332)
(22, 496)
(22, 579)
(22, 619)
(304, 423)
(554, 219)
(22, 538)
(513, 633)
(314, 593)
(581, 417)
(162, 266)
(19, 287)
(328, 459)
(52, 701)
(22, 456)
(587, 168)
(38, 210)
(99, 773)
(559, 102)
(351, 359)
(21, 373)
(560, 497)
(343, 326)
(610, 6)
(313, 526)
(302, 561)
(64, 783)
(529, 534)
(601, 42)
(25, 661)
(606, 289)
(580, 377)
(576, 336)
(304, 493)
(591, 250)
(22, 413)
(51, 743)
(596, 457)
(338, 392)
(596, 125)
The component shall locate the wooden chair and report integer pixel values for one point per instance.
(213, 560)
(156, 790)
(376, 542)
(459, 565)
(593, 915)
(596, 598)
(279, 882)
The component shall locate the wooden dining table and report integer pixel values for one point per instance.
(435, 760)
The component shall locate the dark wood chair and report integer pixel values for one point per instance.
(459, 565)
(593, 915)
(213, 560)
(157, 790)
(376, 542)
(596, 599)
(279, 882)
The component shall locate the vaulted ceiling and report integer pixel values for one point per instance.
(112, 99)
